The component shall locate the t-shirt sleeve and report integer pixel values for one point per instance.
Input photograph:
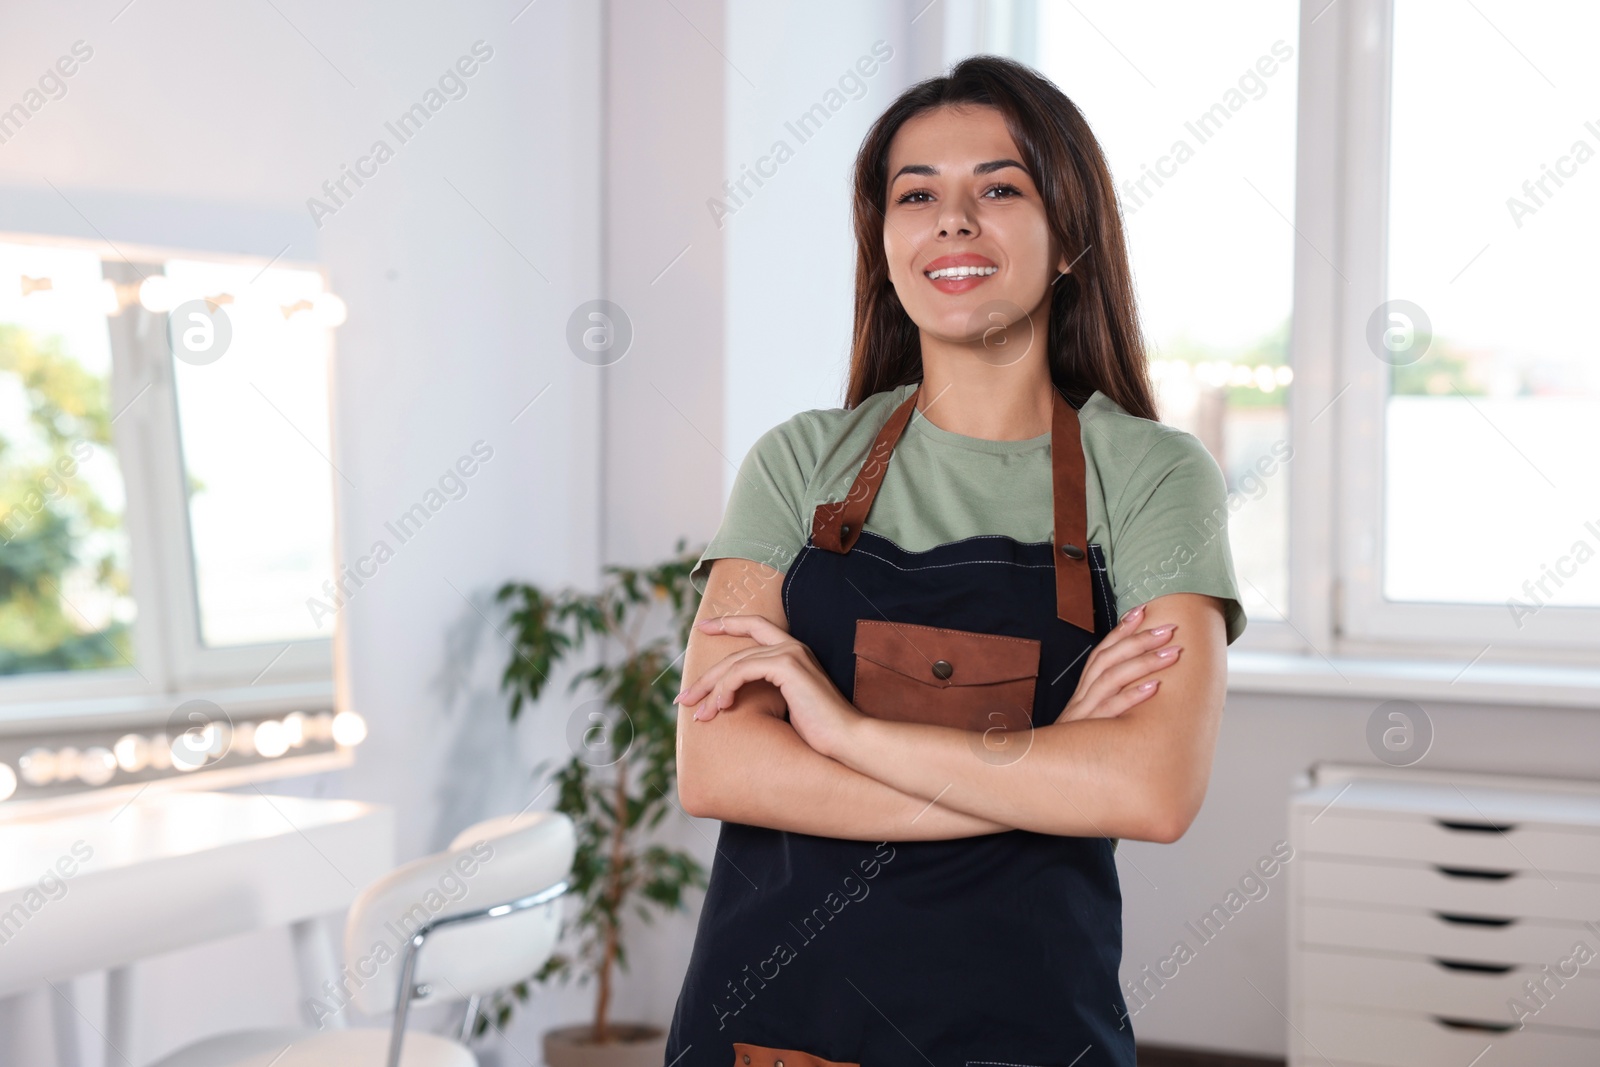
(1170, 530)
(764, 519)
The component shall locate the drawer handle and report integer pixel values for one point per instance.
(1477, 827)
(1474, 1024)
(1472, 920)
(1470, 965)
(1473, 872)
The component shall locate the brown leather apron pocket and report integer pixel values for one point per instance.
(745, 1055)
(930, 674)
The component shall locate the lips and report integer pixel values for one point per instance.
(972, 270)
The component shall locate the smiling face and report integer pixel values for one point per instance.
(965, 231)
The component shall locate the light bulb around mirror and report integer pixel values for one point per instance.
(271, 739)
(349, 728)
(190, 748)
(38, 766)
(96, 765)
(132, 752)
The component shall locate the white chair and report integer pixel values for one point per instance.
(487, 911)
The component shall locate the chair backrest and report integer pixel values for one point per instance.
(492, 862)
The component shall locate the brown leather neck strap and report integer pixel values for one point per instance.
(836, 526)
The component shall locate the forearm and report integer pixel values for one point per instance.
(747, 765)
(1089, 778)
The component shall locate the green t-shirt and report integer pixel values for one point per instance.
(1157, 501)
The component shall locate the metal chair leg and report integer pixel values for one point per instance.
(408, 963)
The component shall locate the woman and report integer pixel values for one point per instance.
(916, 866)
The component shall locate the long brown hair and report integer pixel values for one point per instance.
(1094, 339)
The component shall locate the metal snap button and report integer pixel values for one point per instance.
(1072, 551)
(845, 529)
(942, 668)
(777, 1063)
(747, 1057)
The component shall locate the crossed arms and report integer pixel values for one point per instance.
(1137, 773)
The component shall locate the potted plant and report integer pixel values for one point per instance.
(616, 787)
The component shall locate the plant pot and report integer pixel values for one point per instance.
(631, 1045)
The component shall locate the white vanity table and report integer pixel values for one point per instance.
(101, 882)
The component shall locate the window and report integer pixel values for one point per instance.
(166, 472)
(66, 601)
(1499, 261)
(254, 433)
(1479, 510)
(1198, 124)
(1386, 203)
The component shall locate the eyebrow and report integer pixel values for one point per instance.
(928, 170)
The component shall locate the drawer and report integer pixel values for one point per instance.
(1532, 942)
(1425, 987)
(1352, 1036)
(1459, 842)
(1517, 895)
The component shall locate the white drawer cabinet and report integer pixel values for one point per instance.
(1348, 1037)
(1439, 917)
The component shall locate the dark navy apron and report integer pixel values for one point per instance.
(996, 949)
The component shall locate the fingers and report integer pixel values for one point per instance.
(1121, 678)
(717, 686)
(1126, 646)
(762, 629)
(758, 664)
(759, 627)
(1125, 698)
(690, 695)
(1126, 656)
(1109, 706)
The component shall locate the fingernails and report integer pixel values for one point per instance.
(1169, 652)
(679, 696)
(1134, 616)
(1162, 631)
(1145, 687)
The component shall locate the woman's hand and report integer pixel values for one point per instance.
(1116, 676)
(817, 710)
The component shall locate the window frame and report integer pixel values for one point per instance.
(171, 661)
(1337, 614)
(1370, 623)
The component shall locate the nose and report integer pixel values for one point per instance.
(956, 219)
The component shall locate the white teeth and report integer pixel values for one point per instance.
(962, 272)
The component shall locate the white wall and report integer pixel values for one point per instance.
(791, 253)
(209, 126)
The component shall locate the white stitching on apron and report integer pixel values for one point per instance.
(966, 563)
(1105, 589)
(789, 579)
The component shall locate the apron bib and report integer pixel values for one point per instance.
(1002, 948)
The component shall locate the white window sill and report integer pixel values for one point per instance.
(1531, 685)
